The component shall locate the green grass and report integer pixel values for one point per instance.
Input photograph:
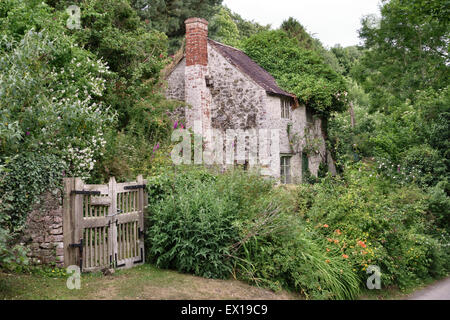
(143, 282)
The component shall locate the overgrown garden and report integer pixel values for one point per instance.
(90, 103)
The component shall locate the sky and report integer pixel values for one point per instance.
(331, 21)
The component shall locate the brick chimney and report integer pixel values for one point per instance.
(196, 42)
(197, 94)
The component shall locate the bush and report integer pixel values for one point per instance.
(26, 177)
(216, 225)
(192, 226)
(375, 221)
(9, 254)
(427, 163)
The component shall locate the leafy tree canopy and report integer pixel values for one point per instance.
(408, 50)
(168, 16)
(298, 70)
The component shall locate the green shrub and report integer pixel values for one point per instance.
(439, 204)
(427, 163)
(26, 177)
(375, 221)
(298, 261)
(238, 223)
(9, 253)
(192, 228)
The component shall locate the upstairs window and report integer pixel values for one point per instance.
(285, 174)
(285, 108)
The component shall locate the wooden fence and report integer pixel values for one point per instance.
(103, 225)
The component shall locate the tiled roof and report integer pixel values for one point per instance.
(244, 63)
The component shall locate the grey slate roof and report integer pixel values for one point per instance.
(244, 63)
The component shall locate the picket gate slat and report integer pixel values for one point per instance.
(107, 220)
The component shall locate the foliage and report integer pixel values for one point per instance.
(230, 28)
(51, 118)
(408, 51)
(216, 225)
(191, 227)
(374, 221)
(296, 31)
(224, 28)
(134, 53)
(168, 16)
(298, 70)
(347, 57)
(27, 176)
(9, 254)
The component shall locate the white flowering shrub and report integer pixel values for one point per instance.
(51, 91)
(52, 119)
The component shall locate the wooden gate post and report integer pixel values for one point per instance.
(112, 231)
(68, 222)
(142, 204)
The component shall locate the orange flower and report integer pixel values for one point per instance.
(345, 256)
(336, 241)
(362, 244)
(325, 226)
(330, 240)
(327, 261)
(364, 252)
(328, 250)
(338, 232)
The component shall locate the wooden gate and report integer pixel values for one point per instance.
(103, 224)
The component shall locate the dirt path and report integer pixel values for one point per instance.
(437, 291)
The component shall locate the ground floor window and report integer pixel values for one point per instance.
(285, 173)
(305, 165)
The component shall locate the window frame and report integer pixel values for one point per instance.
(286, 169)
(286, 105)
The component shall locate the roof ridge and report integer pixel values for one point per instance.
(260, 79)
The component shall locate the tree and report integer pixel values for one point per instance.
(347, 57)
(168, 16)
(296, 31)
(223, 29)
(407, 50)
(298, 70)
(230, 28)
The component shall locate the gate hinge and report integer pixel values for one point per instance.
(141, 233)
(142, 257)
(119, 265)
(142, 186)
(80, 247)
(93, 193)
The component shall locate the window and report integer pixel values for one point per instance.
(285, 173)
(285, 108)
(309, 116)
(305, 164)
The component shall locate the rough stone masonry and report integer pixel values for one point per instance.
(43, 232)
(226, 90)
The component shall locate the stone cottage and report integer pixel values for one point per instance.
(226, 90)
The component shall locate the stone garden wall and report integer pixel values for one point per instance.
(43, 233)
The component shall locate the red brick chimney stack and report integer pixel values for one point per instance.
(196, 42)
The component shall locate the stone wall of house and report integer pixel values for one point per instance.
(222, 97)
(43, 233)
(237, 101)
(319, 155)
(175, 82)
